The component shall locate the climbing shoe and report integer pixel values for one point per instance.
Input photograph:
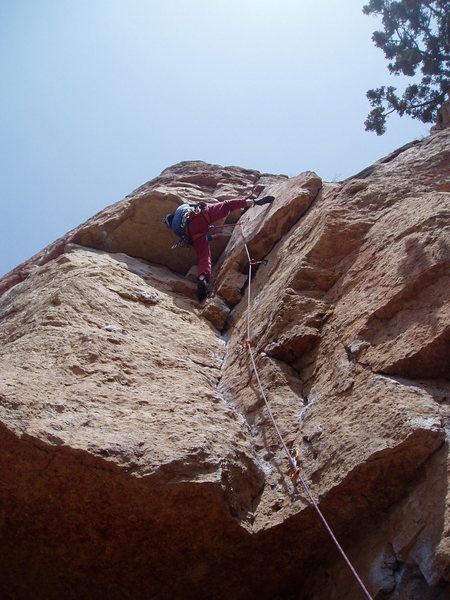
(265, 200)
(202, 289)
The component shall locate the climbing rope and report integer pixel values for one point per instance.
(291, 457)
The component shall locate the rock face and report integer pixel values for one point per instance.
(138, 460)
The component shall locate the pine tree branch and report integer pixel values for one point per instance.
(428, 102)
(414, 36)
(386, 114)
(412, 40)
(422, 104)
(434, 10)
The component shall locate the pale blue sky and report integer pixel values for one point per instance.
(99, 96)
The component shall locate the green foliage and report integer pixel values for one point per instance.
(415, 37)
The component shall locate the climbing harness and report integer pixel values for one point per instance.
(225, 230)
(292, 456)
(197, 211)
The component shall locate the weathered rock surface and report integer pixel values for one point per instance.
(138, 459)
(133, 225)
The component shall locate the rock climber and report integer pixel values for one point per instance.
(191, 222)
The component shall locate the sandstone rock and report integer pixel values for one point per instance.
(262, 227)
(133, 225)
(231, 285)
(216, 311)
(138, 459)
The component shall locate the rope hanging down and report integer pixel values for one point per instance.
(291, 459)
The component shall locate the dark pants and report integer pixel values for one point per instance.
(198, 224)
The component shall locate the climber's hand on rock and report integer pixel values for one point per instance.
(265, 200)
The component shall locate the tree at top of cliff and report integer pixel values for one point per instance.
(415, 36)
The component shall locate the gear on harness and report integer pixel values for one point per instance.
(295, 459)
(179, 244)
(167, 221)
